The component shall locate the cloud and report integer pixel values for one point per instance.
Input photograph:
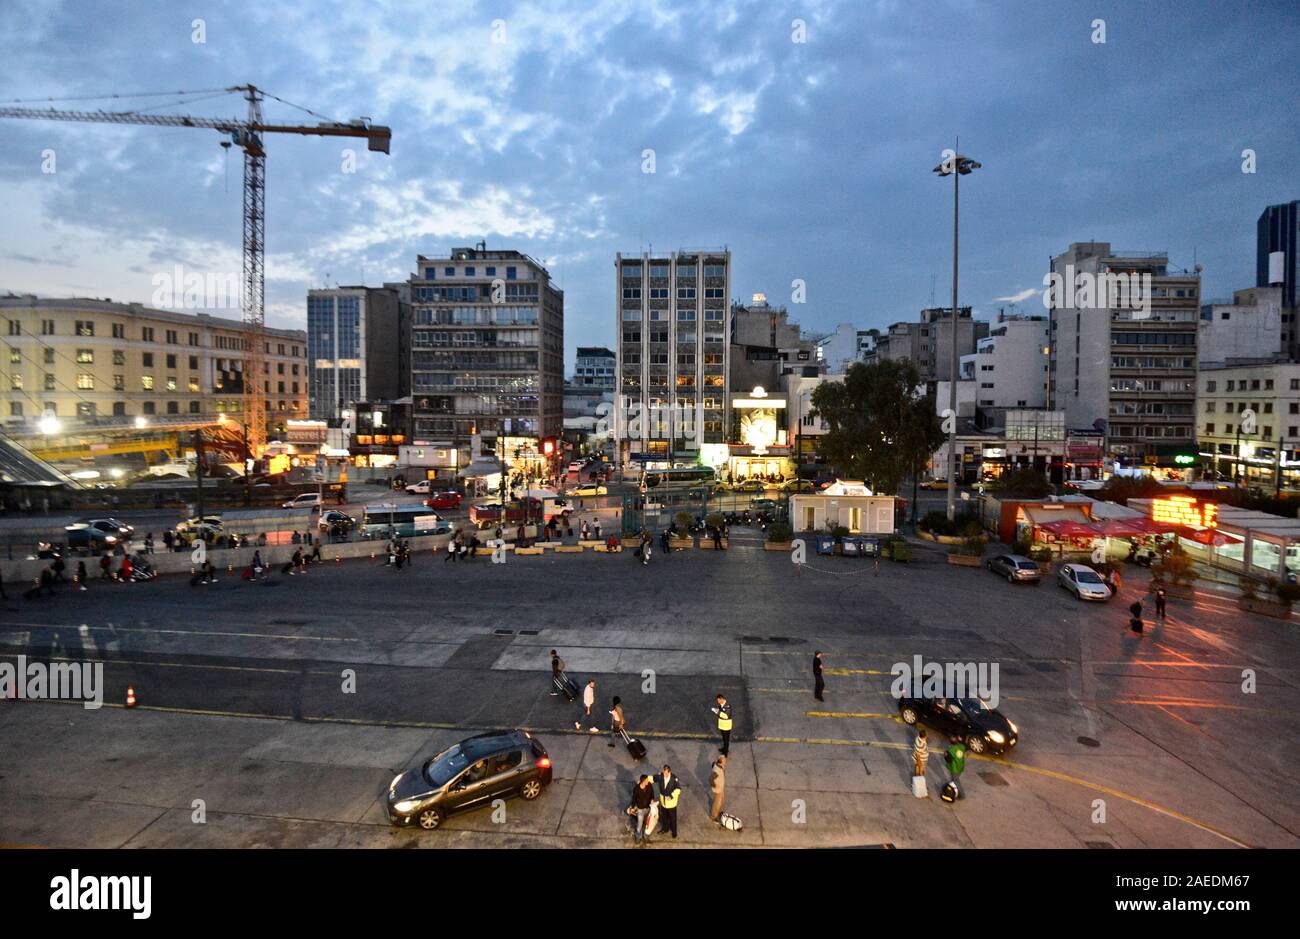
(1023, 295)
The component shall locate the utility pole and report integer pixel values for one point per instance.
(198, 474)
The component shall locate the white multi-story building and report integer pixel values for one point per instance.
(1010, 365)
(846, 345)
(673, 365)
(1247, 330)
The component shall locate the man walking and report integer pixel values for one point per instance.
(920, 754)
(670, 791)
(1160, 602)
(819, 685)
(557, 672)
(643, 794)
(955, 761)
(615, 720)
(588, 700)
(718, 786)
(723, 710)
(1135, 617)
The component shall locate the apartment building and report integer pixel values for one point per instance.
(358, 348)
(487, 352)
(1244, 330)
(1248, 423)
(105, 362)
(1123, 333)
(673, 362)
(928, 342)
(595, 368)
(1010, 366)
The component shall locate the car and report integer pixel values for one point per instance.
(588, 489)
(935, 484)
(336, 522)
(576, 466)
(1082, 581)
(982, 728)
(306, 500)
(443, 499)
(98, 533)
(469, 775)
(419, 489)
(1015, 567)
(209, 526)
(750, 485)
(797, 485)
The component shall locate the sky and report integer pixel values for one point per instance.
(800, 135)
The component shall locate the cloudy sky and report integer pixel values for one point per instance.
(525, 124)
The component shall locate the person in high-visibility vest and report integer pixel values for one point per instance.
(670, 792)
(723, 710)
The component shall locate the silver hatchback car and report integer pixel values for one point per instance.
(1015, 568)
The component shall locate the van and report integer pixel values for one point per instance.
(307, 500)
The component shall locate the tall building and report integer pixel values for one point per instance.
(487, 353)
(104, 362)
(1010, 365)
(595, 368)
(1123, 349)
(928, 343)
(764, 346)
(673, 364)
(1277, 252)
(356, 337)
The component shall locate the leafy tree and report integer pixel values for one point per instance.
(881, 429)
(1025, 482)
(1122, 488)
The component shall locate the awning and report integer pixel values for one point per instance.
(1069, 529)
(1134, 527)
(1210, 536)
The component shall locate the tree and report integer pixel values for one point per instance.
(881, 429)
(1025, 482)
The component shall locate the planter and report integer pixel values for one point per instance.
(568, 549)
(939, 539)
(519, 551)
(1272, 608)
(900, 551)
(630, 541)
(1180, 591)
(965, 560)
(706, 544)
(681, 544)
(777, 545)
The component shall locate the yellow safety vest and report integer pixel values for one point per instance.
(724, 717)
(669, 799)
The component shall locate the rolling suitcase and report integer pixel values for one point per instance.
(566, 686)
(635, 748)
(951, 792)
(730, 822)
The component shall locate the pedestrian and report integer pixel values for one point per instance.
(557, 672)
(718, 786)
(1160, 602)
(643, 796)
(81, 576)
(59, 567)
(920, 754)
(306, 537)
(723, 710)
(297, 538)
(585, 531)
(315, 552)
(588, 701)
(670, 792)
(665, 542)
(209, 573)
(453, 547)
(596, 528)
(615, 719)
(148, 543)
(1135, 618)
(717, 537)
(257, 563)
(124, 574)
(819, 684)
(105, 567)
(955, 761)
(1114, 581)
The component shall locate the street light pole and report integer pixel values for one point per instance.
(956, 166)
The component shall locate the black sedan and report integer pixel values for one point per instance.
(96, 533)
(469, 775)
(979, 726)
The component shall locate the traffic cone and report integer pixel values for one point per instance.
(230, 566)
(130, 696)
(372, 554)
(338, 559)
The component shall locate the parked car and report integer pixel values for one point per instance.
(587, 489)
(576, 466)
(750, 485)
(469, 775)
(98, 533)
(443, 499)
(307, 500)
(979, 726)
(420, 488)
(1015, 567)
(336, 522)
(1082, 581)
(935, 484)
(797, 485)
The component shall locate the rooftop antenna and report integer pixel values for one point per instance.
(932, 291)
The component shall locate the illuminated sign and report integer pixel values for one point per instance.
(1184, 510)
(1184, 459)
(278, 464)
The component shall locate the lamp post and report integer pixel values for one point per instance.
(956, 166)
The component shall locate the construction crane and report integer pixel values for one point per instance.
(246, 134)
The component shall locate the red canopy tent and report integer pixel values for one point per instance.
(1071, 529)
(1209, 536)
(1135, 527)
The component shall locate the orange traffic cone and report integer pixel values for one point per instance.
(372, 554)
(338, 559)
(130, 696)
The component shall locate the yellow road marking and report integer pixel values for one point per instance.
(847, 714)
(854, 671)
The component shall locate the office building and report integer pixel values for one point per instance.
(927, 344)
(1277, 250)
(1248, 423)
(357, 349)
(1009, 366)
(595, 368)
(1123, 334)
(673, 363)
(487, 354)
(100, 362)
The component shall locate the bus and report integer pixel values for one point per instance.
(679, 477)
(387, 520)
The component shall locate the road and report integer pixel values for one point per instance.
(243, 705)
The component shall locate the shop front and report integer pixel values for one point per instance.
(761, 448)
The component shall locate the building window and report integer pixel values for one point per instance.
(146, 383)
(47, 355)
(49, 382)
(146, 333)
(119, 357)
(150, 408)
(146, 359)
(171, 361)
(194, 407)
(171, 383)
(173, 407)
(47, 327)
(119, 330)
(85, 327)
(119, 409)
(119, 383)
(171, 337)
(194, 339)
(449, 272)
(510, 273)
(194, 386)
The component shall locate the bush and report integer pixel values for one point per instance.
(1176, 565)
(971, 547)
(971, 528)
(1041, 555)
(1248, 589)
(1026, 482)
(779, 533)
(1022, 546)
(684, 520)
(840, 531)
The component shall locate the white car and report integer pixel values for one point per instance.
(576, 466)
(307, 500)
(420, 489)
(1082, 581)
(588, 489)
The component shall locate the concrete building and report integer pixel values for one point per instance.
(1277, 258)
(1010, 365)
(100, 362)
(928, 343)
(847, 503)
(802, 429)
(673, 322)
(595, 368)
(1244, 330)
(358, 348)
(846, 345)
(487, 354)
(1123, 349)
(1247, 420)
